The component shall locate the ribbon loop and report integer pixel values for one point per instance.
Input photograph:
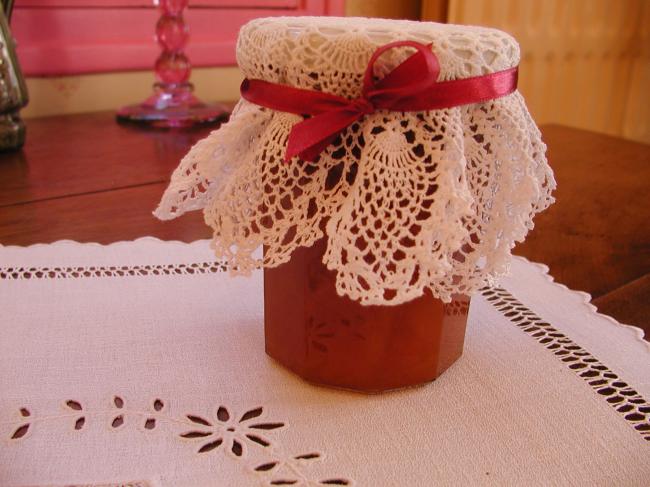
(411, 86)
(418, 73)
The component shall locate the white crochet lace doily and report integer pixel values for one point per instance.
(407, 201)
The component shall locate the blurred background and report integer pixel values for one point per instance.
(585, 63)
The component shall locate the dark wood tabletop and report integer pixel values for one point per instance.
(87, 178)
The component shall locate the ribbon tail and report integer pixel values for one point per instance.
(311, 136)
(311, 153)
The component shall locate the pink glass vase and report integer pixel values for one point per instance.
(173, 103)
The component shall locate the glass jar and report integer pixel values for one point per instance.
(332, 340)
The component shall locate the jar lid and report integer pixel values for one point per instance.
(408, 201)
(331, 53)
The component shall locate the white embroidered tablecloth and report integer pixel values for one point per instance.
(144, 362)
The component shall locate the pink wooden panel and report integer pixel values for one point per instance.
(70, 40)
(149, 3)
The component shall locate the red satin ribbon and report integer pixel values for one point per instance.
(412, 86)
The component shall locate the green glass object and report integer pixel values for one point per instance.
(13, 91)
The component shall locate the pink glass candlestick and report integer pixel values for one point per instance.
(172, 103)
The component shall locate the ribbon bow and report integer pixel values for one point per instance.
(411, 86)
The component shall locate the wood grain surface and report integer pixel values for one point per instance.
(596, 237)
(86, 178)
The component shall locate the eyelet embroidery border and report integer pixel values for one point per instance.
(623, 398)
(136, 483)
(227, 432)
(18, 273)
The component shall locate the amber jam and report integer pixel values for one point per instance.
(331, 340)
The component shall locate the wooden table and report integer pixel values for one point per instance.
(86, 178)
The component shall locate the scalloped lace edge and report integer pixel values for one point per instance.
(118, 243)
(586, 298)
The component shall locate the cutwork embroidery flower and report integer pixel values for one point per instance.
(233, 434)
(287, 470)
(274, 467)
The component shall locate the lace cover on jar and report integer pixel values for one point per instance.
(408, 201)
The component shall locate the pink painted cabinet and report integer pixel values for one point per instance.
(88, 36)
